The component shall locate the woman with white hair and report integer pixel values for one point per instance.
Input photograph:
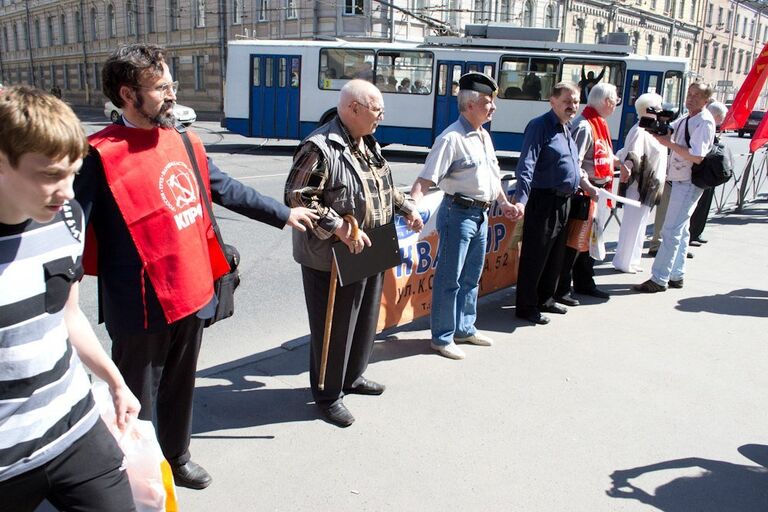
(644, 167)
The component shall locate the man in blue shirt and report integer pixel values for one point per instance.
(547, 175)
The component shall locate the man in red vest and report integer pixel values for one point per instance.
(155, 252)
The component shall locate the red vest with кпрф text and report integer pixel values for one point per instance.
(157, 193)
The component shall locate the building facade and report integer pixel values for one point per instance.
(64, 43)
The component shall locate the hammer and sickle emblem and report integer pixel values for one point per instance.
(182, 188)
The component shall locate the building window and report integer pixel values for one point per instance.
(96, 76)
(724, 59)
(693, 10)
(751, 30)
(681, 10)
(478, 11)
(504, 14)
(94, 30)
(174, 67)
(550, 19)
(354, 7)
(237, 12)
(678, 45)
(704, 54)
(664, 50)
(733, 60)
(744, 27)
(65, 76)
(291, 13)
(38, 34)
(528, 13)
(667, 6)
(173, 9)
(688, 50)
(5, 39)
(150, 11)
(15, 38)
(81, 75)
(263, 11)
(720, 15)
(63, 24)
(200, 13)
(635, 41)
(130, 18)
(747, 64)
(111, 21)
(599, 31)
(710, 9)
(51, 37)
(52, 73)
(579, 30)
(199, 63)
(715, 52)
(741, 61)
(24, 32)
(78, 27)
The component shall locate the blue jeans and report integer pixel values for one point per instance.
(670, 260)
(461, 253)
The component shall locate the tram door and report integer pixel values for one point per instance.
(448, 73)
(275, 92)
(637, 83)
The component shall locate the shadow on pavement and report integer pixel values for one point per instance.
(718, 486)
(744, 302)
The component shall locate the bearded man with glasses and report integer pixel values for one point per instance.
(155, 254)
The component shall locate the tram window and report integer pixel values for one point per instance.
(268, 76)
(405, 72)
(634, 89)
(524, 78)
(256, 72)
(281, 70)
(338, 66)
(455, 80)
(673, 89)
(295, 72)
(587, 73)
(442, 80)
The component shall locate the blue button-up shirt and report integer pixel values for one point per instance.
(549, 158)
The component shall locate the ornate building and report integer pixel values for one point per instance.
(64, 43)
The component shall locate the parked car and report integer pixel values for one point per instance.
(751, 125)
(185, 115)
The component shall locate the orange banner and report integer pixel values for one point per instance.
(748, 93)
(408, 287)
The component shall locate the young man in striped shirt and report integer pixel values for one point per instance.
(53, 444)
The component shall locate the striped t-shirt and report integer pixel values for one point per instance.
(45, 399)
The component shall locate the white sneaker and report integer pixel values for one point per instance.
(451, 351)
(476, 339)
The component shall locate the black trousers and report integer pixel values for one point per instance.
(701, 213)
(159, 368)
(579, 267)
(355, 315)
(87, 477)
(543, 247)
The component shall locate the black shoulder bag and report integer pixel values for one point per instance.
(223, 287)
(715, 168)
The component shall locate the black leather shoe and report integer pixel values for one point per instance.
(689, 255)
(675, 284)
(191, 475)
(536, 317)
(553, 308)
(366, 387)
(568, 300)
(700, 240)
(595, 292)
(694, 243)
(338, 414)
(652, 252)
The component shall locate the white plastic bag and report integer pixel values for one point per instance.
(150, 474)
(596, 240)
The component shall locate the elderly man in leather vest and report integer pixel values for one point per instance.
(338, 171)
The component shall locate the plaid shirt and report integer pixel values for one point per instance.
(306, 186)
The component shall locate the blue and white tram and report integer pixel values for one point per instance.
(285, 89)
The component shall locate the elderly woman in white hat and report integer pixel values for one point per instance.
(644, 167)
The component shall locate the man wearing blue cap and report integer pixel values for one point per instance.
(463, 164)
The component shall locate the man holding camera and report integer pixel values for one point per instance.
(689, 142)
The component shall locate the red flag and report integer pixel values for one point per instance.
(748, 93)
(760, 136)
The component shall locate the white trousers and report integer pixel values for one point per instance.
(629, 248)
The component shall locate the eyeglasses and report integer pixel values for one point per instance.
(164, 88)
(378, 111)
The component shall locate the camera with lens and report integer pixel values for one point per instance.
(660, 125)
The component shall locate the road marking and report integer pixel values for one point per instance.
(262, 176)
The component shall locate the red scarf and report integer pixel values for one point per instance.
(601, 144)
(155, 188)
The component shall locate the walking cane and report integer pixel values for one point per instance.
(354, 235)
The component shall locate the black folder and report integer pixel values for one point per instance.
(384, 253)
